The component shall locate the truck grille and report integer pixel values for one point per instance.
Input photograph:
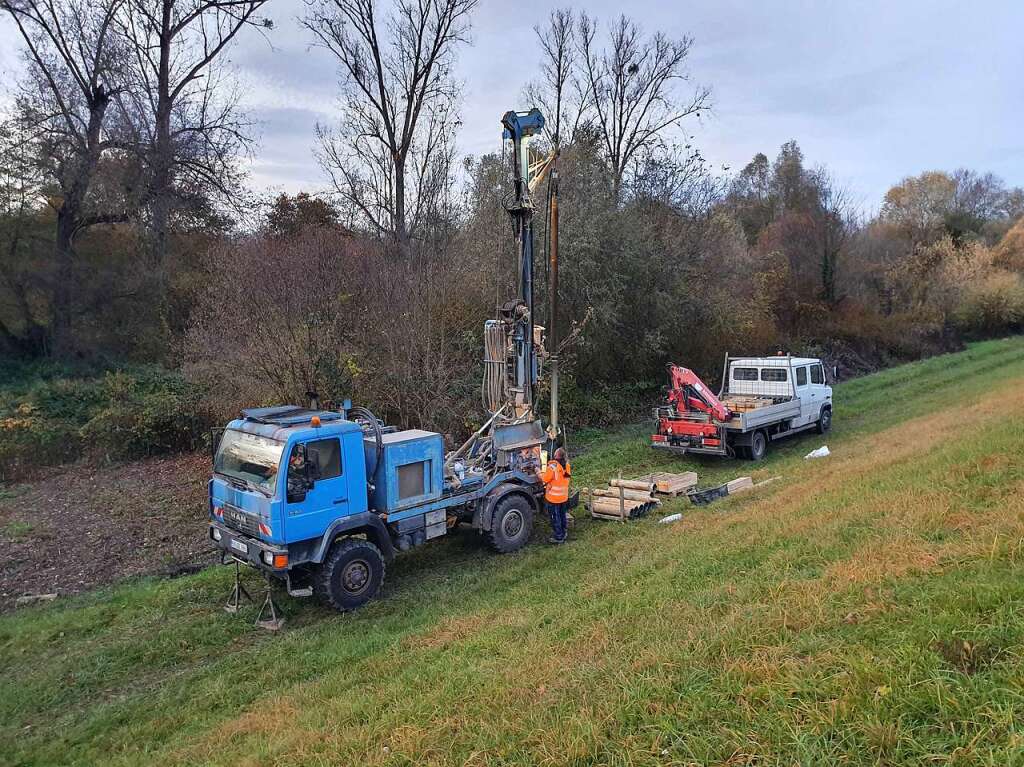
(239, 520)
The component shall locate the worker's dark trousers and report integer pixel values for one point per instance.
(559, 523)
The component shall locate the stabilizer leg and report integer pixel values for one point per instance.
(239, 591)
(273, 621)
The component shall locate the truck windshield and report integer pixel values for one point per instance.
(249, 457)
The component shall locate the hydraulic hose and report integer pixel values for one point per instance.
(363, 415)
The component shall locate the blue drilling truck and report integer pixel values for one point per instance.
(323, 498)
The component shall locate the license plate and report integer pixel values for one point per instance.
(239, 546)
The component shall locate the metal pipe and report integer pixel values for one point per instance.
(553, 303)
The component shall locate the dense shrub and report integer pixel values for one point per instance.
(65, 414)
(992, 305)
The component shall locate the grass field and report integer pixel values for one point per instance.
(868, 608)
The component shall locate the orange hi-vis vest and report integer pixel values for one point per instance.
(556, 482)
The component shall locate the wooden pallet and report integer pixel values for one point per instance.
(744, 404)
(669, 484)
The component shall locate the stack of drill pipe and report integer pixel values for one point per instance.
(623, 499)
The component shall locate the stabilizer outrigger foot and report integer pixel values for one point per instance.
(237, 592)
(273, 621)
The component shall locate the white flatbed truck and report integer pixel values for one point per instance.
(761, 399)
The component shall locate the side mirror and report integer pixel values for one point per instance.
(215, 436)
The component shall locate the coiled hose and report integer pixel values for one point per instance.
(494, 392)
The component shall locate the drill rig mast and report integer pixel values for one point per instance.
(512, 371)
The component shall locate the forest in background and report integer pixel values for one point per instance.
(147, 292)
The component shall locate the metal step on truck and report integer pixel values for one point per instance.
(761, 399)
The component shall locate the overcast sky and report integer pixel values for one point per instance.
(874, 90)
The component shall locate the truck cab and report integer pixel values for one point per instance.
(323, 502)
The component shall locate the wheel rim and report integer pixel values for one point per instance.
(512, 524)
(826, 419)
(356, 576)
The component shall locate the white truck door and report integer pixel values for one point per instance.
(804, 395)
(819, 388)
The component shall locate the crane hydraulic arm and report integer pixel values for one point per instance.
(687, 393)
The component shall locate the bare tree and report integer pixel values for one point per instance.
(631, 88)
(399, 93)
(73, 79)
(192, 130)
(559, 93)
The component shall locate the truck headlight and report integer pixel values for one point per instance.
(216, 534)
(268, 557)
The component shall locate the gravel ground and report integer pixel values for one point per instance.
(86, 526)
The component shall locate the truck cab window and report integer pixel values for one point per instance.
(774, 374)
(327, 454)
(817, 374)
(744, 374)
(801, 376)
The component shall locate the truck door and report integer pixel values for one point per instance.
(819, 389)
(804, 395)
(318, 493)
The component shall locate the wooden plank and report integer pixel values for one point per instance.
(671, 484)
(739, 485)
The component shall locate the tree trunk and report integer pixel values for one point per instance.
(401, 232)
(61, 301)
(69, 218)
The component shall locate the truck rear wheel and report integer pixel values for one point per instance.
(350, 575)
(758, 446)
(512, 524)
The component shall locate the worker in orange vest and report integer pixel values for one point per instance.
(555, 477)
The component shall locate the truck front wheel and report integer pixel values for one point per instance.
(825, 421)
(758, 446)
(350, 575)
(512, 524)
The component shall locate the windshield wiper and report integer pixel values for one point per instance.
(240, 483)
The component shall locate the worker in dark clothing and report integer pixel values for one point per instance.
(555, 477)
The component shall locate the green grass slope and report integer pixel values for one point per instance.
(865, 609)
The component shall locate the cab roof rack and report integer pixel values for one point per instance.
(288, 415)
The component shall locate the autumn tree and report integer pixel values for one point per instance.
(391, 157)
(290, 215)
(23, 328)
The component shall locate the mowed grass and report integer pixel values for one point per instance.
(866, 608)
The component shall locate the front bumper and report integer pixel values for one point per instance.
(245, 548)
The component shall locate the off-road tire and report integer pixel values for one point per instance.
(512, 524)
(825, 421)
(350, 575)
(758, 446)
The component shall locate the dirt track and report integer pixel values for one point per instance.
(85, 526)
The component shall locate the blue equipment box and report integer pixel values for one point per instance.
(410, 469)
